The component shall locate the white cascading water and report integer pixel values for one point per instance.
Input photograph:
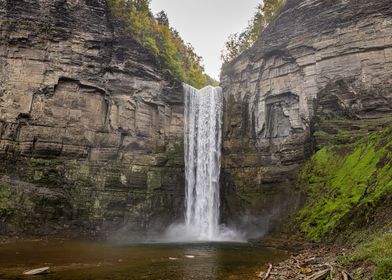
(203, 123)
(202, 141)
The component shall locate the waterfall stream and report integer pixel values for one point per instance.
(203, 123)
(203, 141)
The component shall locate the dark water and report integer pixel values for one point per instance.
(88, 260)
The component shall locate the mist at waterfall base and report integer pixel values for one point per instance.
(202, 141)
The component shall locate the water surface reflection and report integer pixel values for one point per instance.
(71, 260)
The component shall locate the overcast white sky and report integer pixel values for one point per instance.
(207, 23)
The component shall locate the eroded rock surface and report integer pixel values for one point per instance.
(321, 66)
(91, 129)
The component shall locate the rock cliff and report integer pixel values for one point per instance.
(320, 73)
(91, 129)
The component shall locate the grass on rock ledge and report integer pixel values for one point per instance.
(377, 253)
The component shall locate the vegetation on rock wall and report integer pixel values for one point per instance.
(377, 253)
(346, 183)
(51, 196)
(239, 42)
(15, 207)
(155, 33)
(6, 204)
(348, 188)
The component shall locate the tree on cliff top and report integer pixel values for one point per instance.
(164, 42)
(239, 42)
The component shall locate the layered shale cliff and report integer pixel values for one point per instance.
(321, 73)
(91, 129)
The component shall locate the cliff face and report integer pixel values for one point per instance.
(91, 130)
(320, 73)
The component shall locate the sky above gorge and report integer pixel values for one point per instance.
(206, 24)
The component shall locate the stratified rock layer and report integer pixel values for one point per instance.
(323, 66)
(91, 130)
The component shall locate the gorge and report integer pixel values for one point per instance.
(98, 140)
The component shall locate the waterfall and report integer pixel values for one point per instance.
(202, 140)
(203, 123)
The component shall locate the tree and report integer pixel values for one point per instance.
(164, 42)
(271, 8)
(142, 6)
(162, 18)
(238, 43)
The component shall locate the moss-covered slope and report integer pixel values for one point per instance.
(346, 185)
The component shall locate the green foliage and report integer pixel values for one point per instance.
(162, 18)
(15, 206)
(376, 253)
(211, 81)
(239, 42)
(271, 8)
(7, 206)
(340, 179)
(164, 42)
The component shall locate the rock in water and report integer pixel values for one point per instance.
(37, 271)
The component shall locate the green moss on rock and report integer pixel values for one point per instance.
(154, 180)
(7, 207)
(341, 179)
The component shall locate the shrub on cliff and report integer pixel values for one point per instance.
(155, 33)
(239, 42)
